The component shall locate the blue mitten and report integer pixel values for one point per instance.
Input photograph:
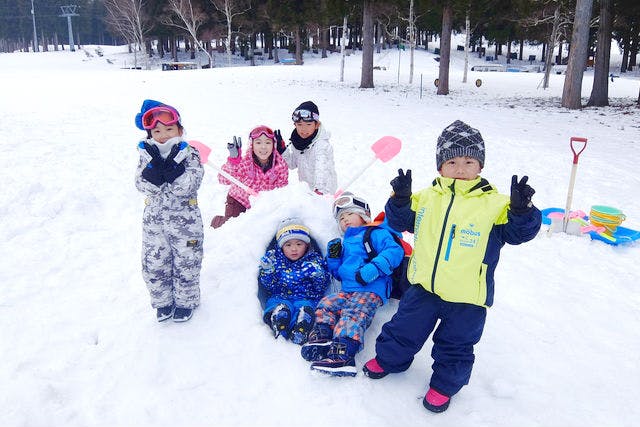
(367, 274)
(266, 265)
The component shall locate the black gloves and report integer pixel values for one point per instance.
(334, 248)
(401, 185)
(153, 171)
(172, 170)
(235, 147)
(159, 170)
(521, 194)
(280, 145)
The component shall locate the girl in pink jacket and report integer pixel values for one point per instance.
(261, 169)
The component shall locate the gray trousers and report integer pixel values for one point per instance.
(172, 255)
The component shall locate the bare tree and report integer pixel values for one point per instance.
(572, 89)
(342, 47)
(600, 89)
(126, 18)
(189, 19)
(555, 14)
(411, 20)
(230, 9)
(445, 49)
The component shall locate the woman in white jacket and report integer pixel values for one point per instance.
(309, 150)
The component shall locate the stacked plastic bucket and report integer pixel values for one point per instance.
(607, 217)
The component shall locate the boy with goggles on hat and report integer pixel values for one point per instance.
(460, 224)
(343, 317)
(309, 150)
(169, 174)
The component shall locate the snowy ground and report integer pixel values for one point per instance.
(81, 346)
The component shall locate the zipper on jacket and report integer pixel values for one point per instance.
(452, 235)
(442, 234)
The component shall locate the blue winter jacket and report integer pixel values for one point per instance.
(304, 279)
(354, 257)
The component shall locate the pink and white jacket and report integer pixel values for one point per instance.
(250, 173)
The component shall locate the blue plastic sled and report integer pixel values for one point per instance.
(622, 234)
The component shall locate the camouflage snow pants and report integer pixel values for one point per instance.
(172, 255)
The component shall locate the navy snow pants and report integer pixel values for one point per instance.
(403, 336)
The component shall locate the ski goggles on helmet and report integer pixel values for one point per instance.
(348, 201)
(262, 130)
(166, 115)
(305, 116)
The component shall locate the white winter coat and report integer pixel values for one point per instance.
(315, 163)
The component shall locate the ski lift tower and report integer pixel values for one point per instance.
(67, 12)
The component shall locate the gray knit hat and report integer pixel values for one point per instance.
(458, 140)
(292, 228)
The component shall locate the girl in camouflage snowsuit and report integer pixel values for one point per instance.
(169, 174)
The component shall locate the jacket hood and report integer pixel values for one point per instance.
(471, 188)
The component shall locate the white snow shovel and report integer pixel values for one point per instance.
(576, 154)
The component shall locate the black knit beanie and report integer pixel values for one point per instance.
(308, 105)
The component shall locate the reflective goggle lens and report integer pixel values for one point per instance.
(347, 201)
(262, 130)
(165, 115)
(305, 116)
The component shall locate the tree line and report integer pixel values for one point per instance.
(494, 27)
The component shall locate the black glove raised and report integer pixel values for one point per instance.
(153, 172)
(172, 170)
(280, 145)
(235, 147)
(401, 185)
(521, 194)
(334, 248)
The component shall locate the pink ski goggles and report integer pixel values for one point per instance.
(166, 115)
(262, 130)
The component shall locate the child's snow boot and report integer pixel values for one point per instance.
(435, 401)
(304, 323)
(280, 320)
(340, 360)
(373, 370)
(318, 344)
(181, 314)
(164, 313)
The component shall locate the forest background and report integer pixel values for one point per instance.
(494, 28)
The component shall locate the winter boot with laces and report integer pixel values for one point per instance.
(304, 323)
(280, 320)
(318, 343)
(340, 360)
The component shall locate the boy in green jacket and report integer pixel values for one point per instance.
(460, 224)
